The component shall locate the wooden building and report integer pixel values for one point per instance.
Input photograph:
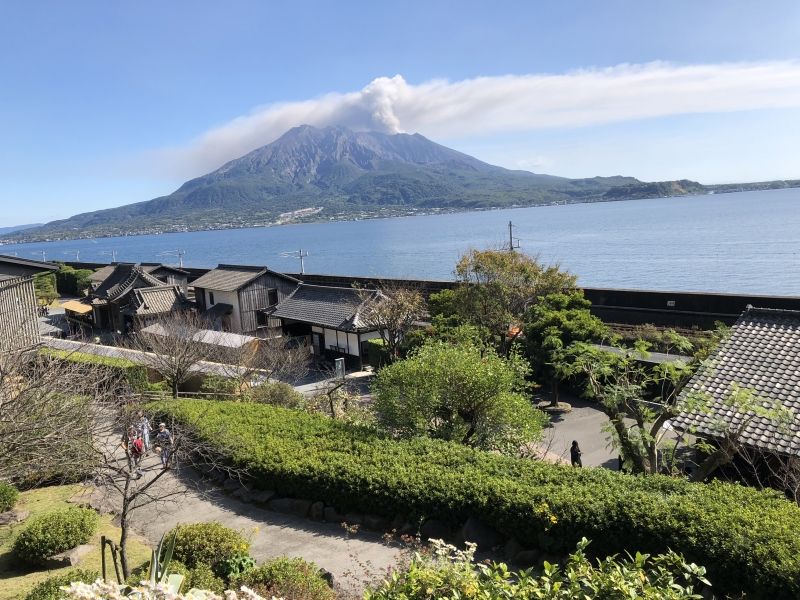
(234, 298)
(110, 299)
(19, 321)
(149, 304)
(165, 273)
(331, 316)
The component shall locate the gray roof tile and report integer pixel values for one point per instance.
(334, 307)
(229, 278)
(761, 354)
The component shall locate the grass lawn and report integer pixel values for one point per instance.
(16, 583)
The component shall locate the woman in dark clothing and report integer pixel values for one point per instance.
(575, 454)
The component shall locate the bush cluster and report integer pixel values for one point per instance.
(54, 532)
(277, 394)
(8, 496)
(134, 374)
(289, 578)
(746, 538)
(50, 588)
(210, 544)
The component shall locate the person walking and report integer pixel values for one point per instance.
(575, 454)
(164, 442)
(144, 431)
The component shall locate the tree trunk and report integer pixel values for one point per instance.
(124, 518)
(175, 388)
(554, 392)
(713, 462)
(629, 450)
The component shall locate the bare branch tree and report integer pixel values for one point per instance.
(171, 347)
(392, 311)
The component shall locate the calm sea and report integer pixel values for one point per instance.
(746, 242)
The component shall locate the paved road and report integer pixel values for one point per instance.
(351, 559)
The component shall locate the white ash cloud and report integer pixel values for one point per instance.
(487, 106)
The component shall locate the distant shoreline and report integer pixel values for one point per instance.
(359, 217)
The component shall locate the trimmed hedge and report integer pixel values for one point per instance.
(50, 588)
(207, 544)
(8, 496)
(134, 374)
(54, 532)
(289, 578)
(747, 539)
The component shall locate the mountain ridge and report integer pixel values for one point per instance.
(341, 174)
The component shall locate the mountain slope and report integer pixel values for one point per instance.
(342, 174)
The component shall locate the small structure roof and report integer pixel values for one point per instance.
(157, 300)
(653, 358)
(334, 307)
(76, 306)
(101, 274)
(209, 336)
(155, 267)
(762, 354)
(12, 267)
(218, 310)
(122, 280)
(229, 278)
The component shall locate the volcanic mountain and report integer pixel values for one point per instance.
(336, 173)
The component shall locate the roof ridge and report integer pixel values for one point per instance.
(771, 311)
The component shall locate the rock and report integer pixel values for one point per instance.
(376, 523)
(262, 496)
(352, 518)
(13, 516)
(243, 494)
(478, 532)
(317, 511)
(70, 558)
(527, 558)
(433, 529)
(511, 549)
(398, 522)
(332, 516)
(291, 506)
(328, 577)
(231, 484)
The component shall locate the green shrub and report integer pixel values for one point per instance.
(217, 384)
(745, 537)
(236, 564)
(141, 572)
(73, 281)
(8, 496)
(451, 573)
(288, 578)
(134, 374)
(54, 532)
(377, 354)
(50, 588)
(207, 544)
(277, 394)
(202, 577)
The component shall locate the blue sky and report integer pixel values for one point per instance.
(104, 103)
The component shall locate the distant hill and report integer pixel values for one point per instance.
(4, 230)
(336, 173)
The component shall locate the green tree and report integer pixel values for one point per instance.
(637, 397)
(496, 288)
(73, 281)
(551, 325)
(460, 393)
(45, 286)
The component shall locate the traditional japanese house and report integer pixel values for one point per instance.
(19, 321)
(110, 299)
(332, 317)
(234, 298)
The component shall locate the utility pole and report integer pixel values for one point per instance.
(297, 254)
(511, 245)
(44, 257)
(113, 254)
(178, 253)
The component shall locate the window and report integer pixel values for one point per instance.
(272, 297)
(211, 298)
(261, 318)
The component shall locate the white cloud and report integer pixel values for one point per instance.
(487, 106)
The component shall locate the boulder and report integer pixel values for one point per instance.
(13, 516)
(433, 529)
(243, 494)
(376, 523)
(231, 484)
(317, 511)
(262, 496)
(511, 549)
(290, 506)
(478, 532)
(527, 558)
(332, 515)
(70, 558)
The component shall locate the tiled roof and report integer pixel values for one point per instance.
(157, 300)
(651, 358)
(23, 267)
(762, 354)
(333, 307)
(155, 269)
(208, 336)
(99, 276)
(122, 279)
(229, 278)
